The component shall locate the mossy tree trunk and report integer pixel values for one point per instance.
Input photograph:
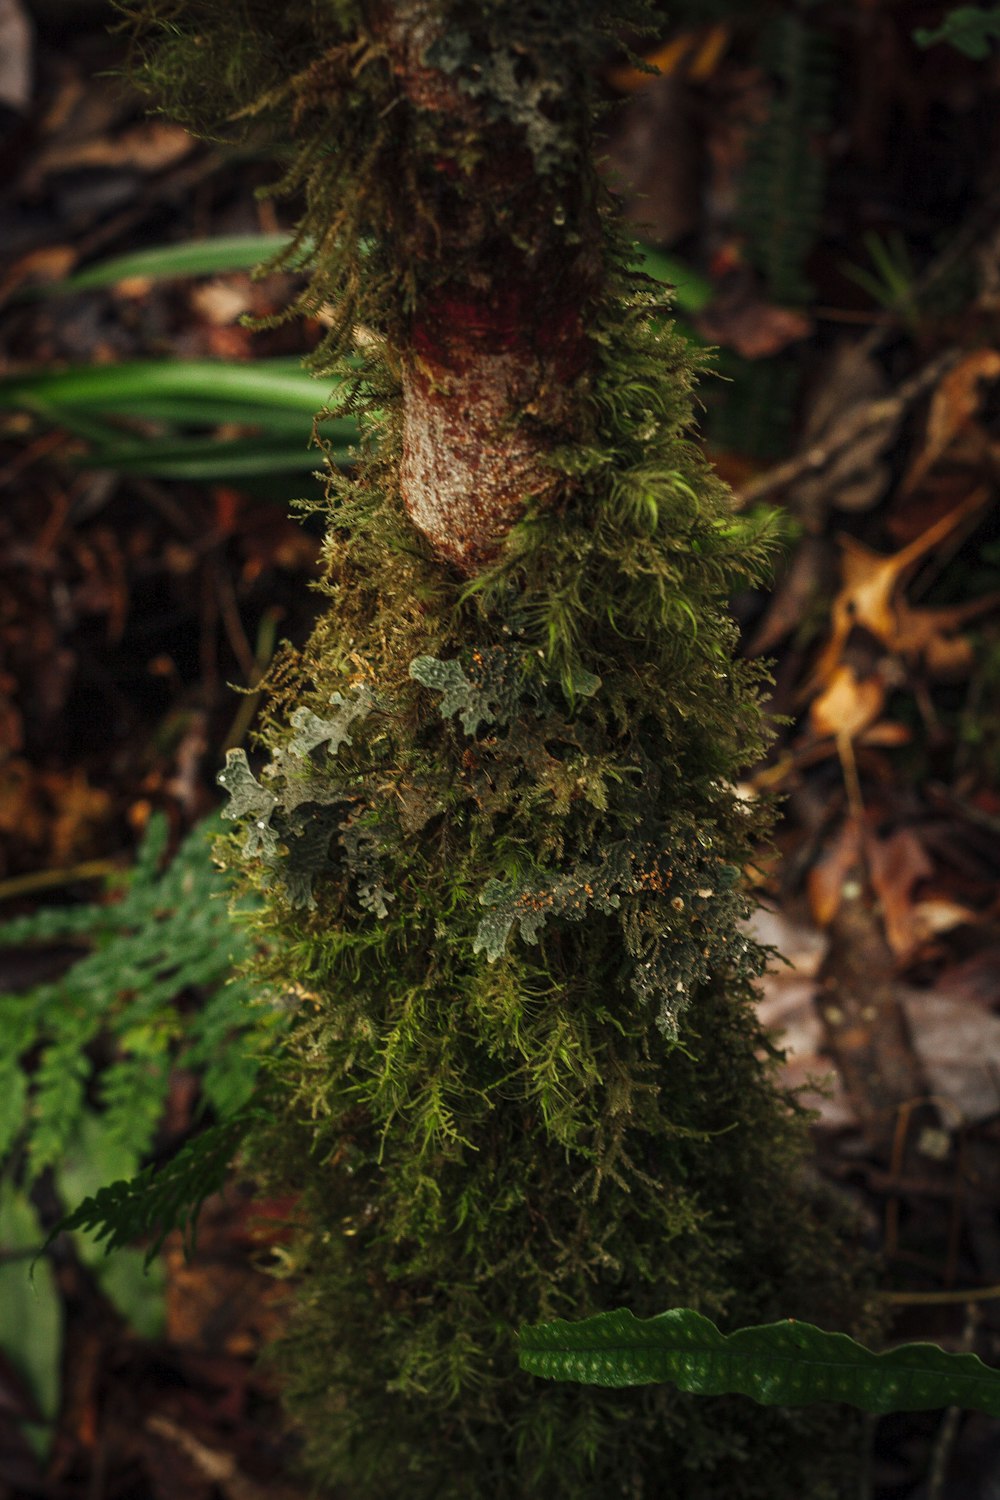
(498, 832)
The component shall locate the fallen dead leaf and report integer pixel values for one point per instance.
(80, 810)
(939, 914)
(826, 879)
(221, 302)
(753, 328)
(848, 704)
(49, 263)
(694, 53)
(932, 635)
(886, 734)
(958, 1046)
(149, 146)
(871, 583)
(958, 397)
(897, 865)
(976, 981)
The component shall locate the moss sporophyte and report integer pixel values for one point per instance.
(494, 823)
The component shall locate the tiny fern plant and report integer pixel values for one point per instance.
(156, 985)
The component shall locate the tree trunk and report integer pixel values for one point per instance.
(498, 843)
(498, 337)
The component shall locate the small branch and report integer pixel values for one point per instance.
(940, 1299)
(856, 423)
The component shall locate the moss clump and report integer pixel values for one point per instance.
(497, 826)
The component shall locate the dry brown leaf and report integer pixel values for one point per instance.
(886, 734)
(848, 705)
(897, 864)
(149, 146)
(976, 981)
(80, 810)
(755, 329)
(694, 53)
(826, 879)
(869, 589)
(958, 1046)
(221, 302)
(49, 263)
(939, 914)
(956, 400)
(931, 635)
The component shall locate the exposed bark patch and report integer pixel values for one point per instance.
(485, 388)
(491, 351)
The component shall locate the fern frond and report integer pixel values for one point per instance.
(168, 935)
(160, 1199)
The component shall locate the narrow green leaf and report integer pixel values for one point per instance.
(214, 257)
(276, 382)
(692, 292)
(209, 459)
(777, 1364)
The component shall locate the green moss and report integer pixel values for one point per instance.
(501, 845)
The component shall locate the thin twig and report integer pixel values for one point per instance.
(42, 880)
(940, 1299)
(845, 432)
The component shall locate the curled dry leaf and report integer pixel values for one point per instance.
(896, 865)
(955, 402)
(841, 858)
(754, 328)
(870, 598)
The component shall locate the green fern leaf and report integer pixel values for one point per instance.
(60, 1083)
(968, 29)
(13, 1101)
(162, 1199)
(776, 1364)
(169, 933)
(134, 1093)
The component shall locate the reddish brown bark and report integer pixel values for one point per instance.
(493, 348)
